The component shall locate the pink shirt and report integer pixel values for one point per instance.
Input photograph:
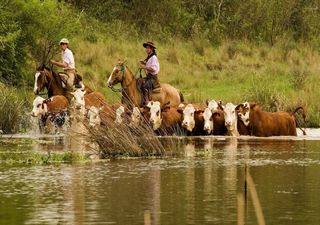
(154, 64)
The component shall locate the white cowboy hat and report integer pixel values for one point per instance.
(64, 41)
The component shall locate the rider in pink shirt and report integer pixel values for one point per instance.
(152, 68)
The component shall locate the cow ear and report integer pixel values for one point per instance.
(180, 110)
(220, 106)
(207, 102)
(238, 107)
(165, 109)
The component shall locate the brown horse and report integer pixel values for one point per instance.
(131, 93)
(46, 78)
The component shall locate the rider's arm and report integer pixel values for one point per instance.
(60, 64)
(152, 65)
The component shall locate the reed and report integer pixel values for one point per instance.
(14, 105)
(116, 141)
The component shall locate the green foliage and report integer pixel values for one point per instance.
(12, 110)
(43, 24)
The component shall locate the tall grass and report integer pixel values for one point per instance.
(14, 105)
(127, 141)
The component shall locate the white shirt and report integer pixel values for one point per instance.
(154, 64)
(67, 57)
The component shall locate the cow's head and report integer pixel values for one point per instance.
(230, 116)
(94, 117)
(119, 113)
(214, 105)
(189, 113)
(155, 113)
(243, 112)
(39, 107)
(78, 100)
(135, 116)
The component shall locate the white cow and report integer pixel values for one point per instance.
(119, 114)
(231, 119)
(93, 116)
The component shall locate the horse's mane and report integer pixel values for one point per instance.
(43, 67)
(55, 76)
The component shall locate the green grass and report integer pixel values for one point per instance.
(19, 151)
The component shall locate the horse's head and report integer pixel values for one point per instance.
(117, 74)
(40, 79)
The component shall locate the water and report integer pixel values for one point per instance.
(203, 184)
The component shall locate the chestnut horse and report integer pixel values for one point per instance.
(131, 93)
(46, 78)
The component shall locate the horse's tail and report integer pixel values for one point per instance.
(181, 97)
(303, 116)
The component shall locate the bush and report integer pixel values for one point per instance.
(12, 110)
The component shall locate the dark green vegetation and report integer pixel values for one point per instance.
(265, 51)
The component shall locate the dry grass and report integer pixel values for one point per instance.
(127, 141)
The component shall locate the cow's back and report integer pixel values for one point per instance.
(57, 103)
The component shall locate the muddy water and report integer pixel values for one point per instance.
(203, 184)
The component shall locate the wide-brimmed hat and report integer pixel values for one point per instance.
(149, 43)
(64, 41)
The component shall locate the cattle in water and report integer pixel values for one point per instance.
(54, 109)
(83, 101)
(165, 120)
(265, 124)
(235, 125)
(192, 118)
(214, 119)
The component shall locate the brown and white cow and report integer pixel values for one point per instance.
(165, 120)
(265, 124)
(54, 108)
(192, 118)
(234, 124)
(214, 119)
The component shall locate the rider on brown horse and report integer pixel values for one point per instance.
(69, 77)
(152, 68)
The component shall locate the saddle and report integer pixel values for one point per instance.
(155, 85)
(76, 82)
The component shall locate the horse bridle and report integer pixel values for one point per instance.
(122, 80)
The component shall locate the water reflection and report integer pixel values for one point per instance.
(203, 185)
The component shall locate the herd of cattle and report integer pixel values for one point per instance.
(210, 118)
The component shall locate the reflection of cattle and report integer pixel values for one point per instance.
(165, 120)
(193, 120)
(214, 119)
(264, 124)
(54, 109)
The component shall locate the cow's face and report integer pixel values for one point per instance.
(39, 108)
(230, 116)
(155, 114)
(79, 98)
(188, 117)
(243, 112)
(119, 113)
(94, 117)
(135, 117)
(213, 105)
(208, 123)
